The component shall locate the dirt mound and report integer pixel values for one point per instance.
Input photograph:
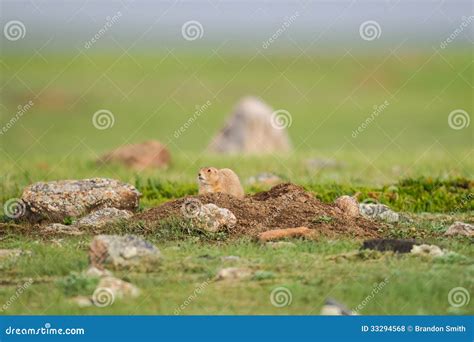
(283, 206)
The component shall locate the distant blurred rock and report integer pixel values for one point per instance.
(103, 216)
(126, 252)
(265, 179)
(249, 130)
(117, 287)
(348, 205)
(234, 273)
(58, 228)
(57, 200)
(321, 163)
(11, 253)
(334, 308)
(427, 250)
(149, 154)
(460, 228)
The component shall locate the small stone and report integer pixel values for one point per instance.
(101, 217)
(348, 205)
(94, 272)
(460, 228)
(280, 244)
(127, 251)
(279, 234)
(212, 218)
(82, 301)
(230, 258)
(427, 250)
(10, 253)
(118, 287)
(58, 228)
(379, 212)
(234, 273)
(334, 308)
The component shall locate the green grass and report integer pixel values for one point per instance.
(408, 158)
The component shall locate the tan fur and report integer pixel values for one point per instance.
(212, 180)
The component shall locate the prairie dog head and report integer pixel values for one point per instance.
(208, 175)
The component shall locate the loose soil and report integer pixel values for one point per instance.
(283, 206)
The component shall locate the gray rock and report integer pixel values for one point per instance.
(117, 287)
(212, 218)
(253, 128)
(94, 272)
(123, 252)
(101, 217)
(427, 250)
(378, 212)
(333, 308)
(460, 228)
(57, 200)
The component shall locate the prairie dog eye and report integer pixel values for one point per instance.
(208, 170)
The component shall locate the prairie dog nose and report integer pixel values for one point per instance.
(199, 174)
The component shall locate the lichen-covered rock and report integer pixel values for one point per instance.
(348, 205)
(123, 252)
(58, 228)
(460, 228)
(212, 218)
(378, 212)
(103, 216)
(57, 200)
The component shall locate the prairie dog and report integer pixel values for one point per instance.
(212, 180)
